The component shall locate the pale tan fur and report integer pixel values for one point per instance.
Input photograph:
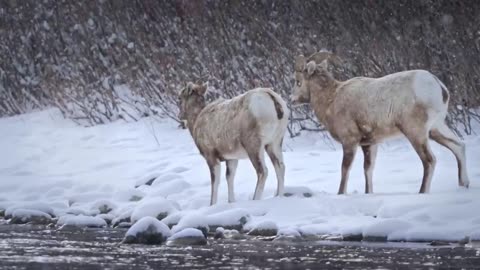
(365, 111)
(238, 128)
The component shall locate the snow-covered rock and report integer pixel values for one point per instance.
(39, 206)
(147, 230)
(288, 234)
(264, 228)
(157, 207)
(229, 219)
(81, 221)
(76, 211)
(107, 217)
(123, 217)
(219, 233)
(129, 195)
(196, 221)
(188, 236)
(22, 216)
(103, 206)
(234, 234)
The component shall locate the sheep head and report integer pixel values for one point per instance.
(191, 100)
(311, 72)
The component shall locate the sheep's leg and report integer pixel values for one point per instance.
(274, 151)
(231, 169)
(348, 156)
(423, 150)
(257, 158)
(444, 136)
(215, 171)
(369, 156)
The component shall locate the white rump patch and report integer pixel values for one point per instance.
(262, 107)
(428, 90)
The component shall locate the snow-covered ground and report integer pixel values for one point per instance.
(48, 162)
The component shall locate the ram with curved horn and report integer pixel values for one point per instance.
(242, 127)
(365, 111)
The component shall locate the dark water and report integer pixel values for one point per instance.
(27, 247)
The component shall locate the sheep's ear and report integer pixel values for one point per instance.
(300, 63)
(200, 89)
(311, 66)
(324, 64)
(189, 88)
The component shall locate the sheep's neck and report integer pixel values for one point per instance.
(322, 99)
(192, 117)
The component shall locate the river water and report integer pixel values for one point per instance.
(33, 247)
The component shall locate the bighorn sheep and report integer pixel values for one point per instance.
(364, 111)
(242, 127)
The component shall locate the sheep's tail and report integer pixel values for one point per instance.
(278, 106)
(445, 93)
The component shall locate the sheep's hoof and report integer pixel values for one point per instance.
(465, 185)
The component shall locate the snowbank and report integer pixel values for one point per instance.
(75, 173)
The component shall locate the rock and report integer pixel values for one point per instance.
(23, 216)
(135, 198)
(81, 221)
(233, 219)
(464, 241)
(38, 206)
(173, 219)
(159, 208)
(370, 238)
(265, 228)
(263, 232)
(287, 238)
(103, 206)
(192, 221)
(2, 212)
(352, 237)
(147, 182)
(107, 217)
(219, 233)
(439, 243)
(75, 211)
(148, 230)
(298, 192)
(234, 235)
(188, 237)
(124, 225)
(336, 238)
(122, 218)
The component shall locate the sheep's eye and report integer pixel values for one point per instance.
(299, 83)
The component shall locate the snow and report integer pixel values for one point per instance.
(188, 232)
(25, 213)
(289, 232)
(229, 217)
(143, 224)
(191, 221)
(81, 221)
(57, 167)
(262, 225)
(155, 207)
(37, 206)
